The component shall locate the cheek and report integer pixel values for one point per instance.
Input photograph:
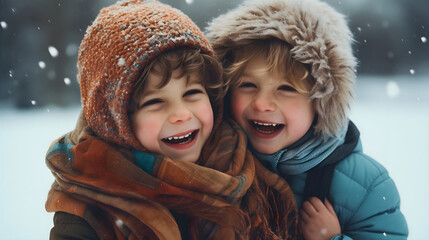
(238, 105)
(147, 129)
(300, 112)
(306, 109)
(204, 113)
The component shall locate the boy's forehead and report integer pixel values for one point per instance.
(155, 80)
(260, 68)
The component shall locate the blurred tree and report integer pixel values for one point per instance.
(388, 37)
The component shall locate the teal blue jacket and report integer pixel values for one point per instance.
(364, 197)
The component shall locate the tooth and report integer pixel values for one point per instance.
(170, 138)
(175, 137)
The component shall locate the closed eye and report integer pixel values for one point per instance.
(287, 88)
(247, 85)
(192, 92)
(151, 102)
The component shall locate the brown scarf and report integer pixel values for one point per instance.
(228, 196)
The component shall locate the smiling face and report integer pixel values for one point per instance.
(271, 111)
(174, 120)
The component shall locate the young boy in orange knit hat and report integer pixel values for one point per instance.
(292, 73)
(152, 107)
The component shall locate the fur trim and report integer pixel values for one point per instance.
(123, 39)
(319, 36)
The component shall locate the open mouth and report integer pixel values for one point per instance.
(266, 128)
(180, 140)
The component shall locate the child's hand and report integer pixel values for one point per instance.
(318, 221)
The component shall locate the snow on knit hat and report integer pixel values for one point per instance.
(318, 36)
(123, 39)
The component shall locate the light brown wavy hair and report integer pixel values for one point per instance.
(278, 59)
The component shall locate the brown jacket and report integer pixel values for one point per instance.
(68, 226)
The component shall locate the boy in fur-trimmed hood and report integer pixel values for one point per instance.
(292, 71)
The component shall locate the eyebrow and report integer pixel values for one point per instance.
(189, 81)
(253, 72)
(248, 74)
(149, 92)
(194, 80)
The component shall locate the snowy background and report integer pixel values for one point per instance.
(392, 115)
(39, 96)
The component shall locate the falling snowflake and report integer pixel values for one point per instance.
(42, 64)
(423, 39)
(67, 81)
(33, 102)
(121, 62)
(359, 29)
(409, 52)
(412, 71)
(392, 89)
(189, 1)
(3, 24)
(119, 222)
(10, 73)
(53, 51)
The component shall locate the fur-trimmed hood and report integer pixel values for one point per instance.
(319, 37)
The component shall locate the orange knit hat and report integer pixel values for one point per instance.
(117, 46)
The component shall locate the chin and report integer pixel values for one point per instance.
(266, 150)
(191, 159)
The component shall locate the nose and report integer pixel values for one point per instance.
(179, 114)
(264, 102)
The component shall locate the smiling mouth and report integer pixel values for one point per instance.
(180, 140)
(266, 128)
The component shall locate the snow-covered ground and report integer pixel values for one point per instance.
(393, 118)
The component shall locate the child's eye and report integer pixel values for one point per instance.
(151, 102)
(247, 85)
(192, 92)
(287, 88)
